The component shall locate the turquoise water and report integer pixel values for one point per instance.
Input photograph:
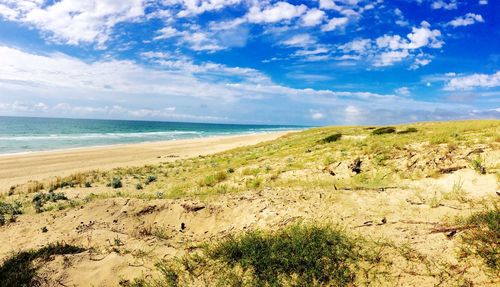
(19, 134)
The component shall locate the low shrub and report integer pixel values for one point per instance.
(151, 178)
(384, 130)
(11, 210)
(40, 199)
(331, 138)
(116, 182)
(408, 130)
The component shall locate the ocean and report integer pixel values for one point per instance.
(20, 134)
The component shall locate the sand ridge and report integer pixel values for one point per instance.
(19, 168)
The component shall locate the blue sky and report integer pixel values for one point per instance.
(245, 61)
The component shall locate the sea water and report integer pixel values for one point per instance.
(20, 134)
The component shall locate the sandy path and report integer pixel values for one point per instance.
(16, 169)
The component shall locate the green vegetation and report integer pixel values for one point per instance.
(151, 178)
(481, 237)
(213, 179)
(116, 182)
(298, 255)
(11, 210)
(408, 130)
(478, 165)
(384, 130)
(21, 268)
(331, 138)
(312, 254)
(40, 199)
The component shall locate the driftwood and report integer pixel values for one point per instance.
(445, 229)
(451, 169)
(192, 208)
(382, 188)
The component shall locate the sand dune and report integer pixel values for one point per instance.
(16, 169)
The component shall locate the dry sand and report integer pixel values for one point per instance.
(19, 168)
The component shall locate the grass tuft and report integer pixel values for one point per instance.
(481, 237)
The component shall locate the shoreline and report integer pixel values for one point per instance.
(142, 142)
(19, 168)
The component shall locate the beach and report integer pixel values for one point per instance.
(20, 168)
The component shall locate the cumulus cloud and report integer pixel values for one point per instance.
(98, 88)
(301, 40)
(473, 81)
(335, 23)
(387, 50)
(441, 4)
(313, 17)
(278, 12)
(195, 7)
(74, 21)
(468, 19)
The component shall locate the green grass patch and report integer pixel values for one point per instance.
(481, 237)
(384, 130)
(298, 255)
(331, 138)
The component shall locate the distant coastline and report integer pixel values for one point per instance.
(24, 135)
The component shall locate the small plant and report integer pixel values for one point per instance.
(40, 199)
(481, 237)
(331, 138)
(253, 182)
(230, 170)
(478, 165)
(11, 210)
(116, 182)
(151, 178)
(457, 192)
(383, 130)
(88, 184)
(139, 186)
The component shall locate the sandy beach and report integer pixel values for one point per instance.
(20, 168)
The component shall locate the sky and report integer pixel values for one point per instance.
(318, 62)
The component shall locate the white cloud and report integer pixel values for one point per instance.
(357, 45)
(403, 91)
(313, 17)
(423, 36)
(301, 40)
(468, 19)
(473, 81)
(389, 58)
(334, 23)
(440, 4)
(317, 115)
(278, 12)
(483, 2)
(387, 50)
(195, 7)
(74, 21)
(166, 33)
